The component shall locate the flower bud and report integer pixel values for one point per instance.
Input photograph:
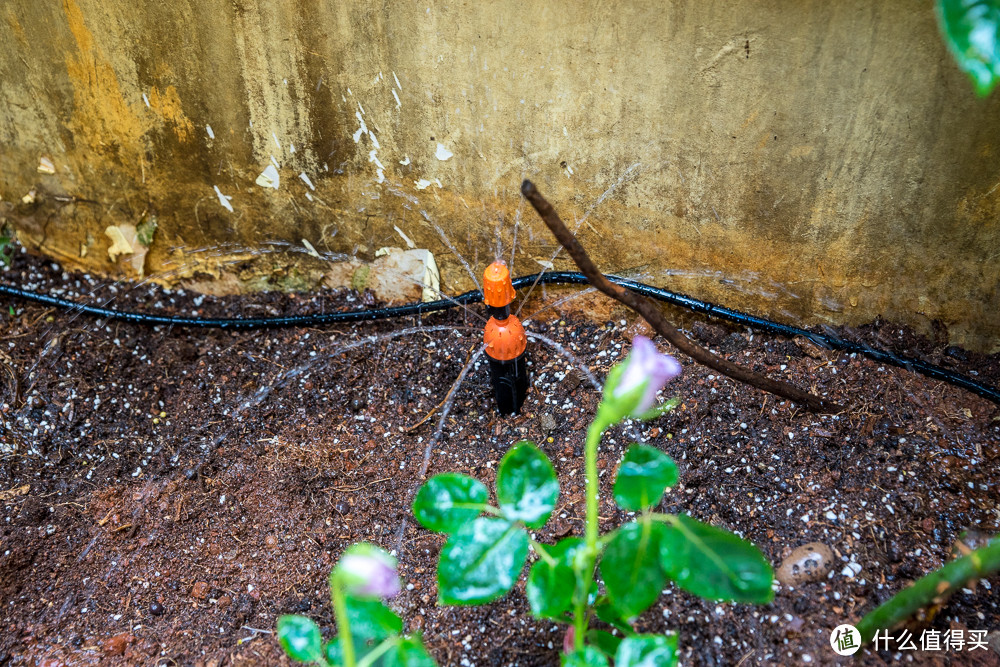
(644, 367)
(367, 571)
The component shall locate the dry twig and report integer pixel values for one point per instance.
(656, 319)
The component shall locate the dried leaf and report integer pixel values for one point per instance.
(15, 492)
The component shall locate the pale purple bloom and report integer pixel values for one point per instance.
(645, 364)
(368, 571)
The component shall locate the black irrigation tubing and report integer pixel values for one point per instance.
(827, 340)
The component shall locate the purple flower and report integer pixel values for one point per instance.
(367, 571)
(645, 364)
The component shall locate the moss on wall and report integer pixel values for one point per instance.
(823, 162)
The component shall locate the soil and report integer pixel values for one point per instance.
(173, 491)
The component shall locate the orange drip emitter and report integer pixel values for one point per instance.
(506, 342)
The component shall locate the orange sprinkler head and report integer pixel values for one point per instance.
(505, 340)
(497, 289)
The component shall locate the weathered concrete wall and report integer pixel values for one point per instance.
(811, 160)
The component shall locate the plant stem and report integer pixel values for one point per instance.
(542, 551)
(938, 585)
(580, 620)
(343, 627)
(377, 652)
(594, 433)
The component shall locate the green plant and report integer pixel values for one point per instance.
(931, 589)
(971, 29)
(370, 634)
(484, 555)
(146, 228)
(6, 245)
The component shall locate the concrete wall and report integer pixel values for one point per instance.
(810, 160)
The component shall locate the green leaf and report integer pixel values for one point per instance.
(370, 619)
(409, 652)
(643, 476)
(144, 230)
(659, 410)
(449, 501)
(605, 641)
(971, 29)
(333, 653)
(551, 585)
(647, 651)
(527, 488)
(481, 561)
(588, 656)
(715, 564)
(6, 252)
(631, 567)
(301, 638)
(607, 613)
(361, 648)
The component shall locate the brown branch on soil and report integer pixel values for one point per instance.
(658, 321)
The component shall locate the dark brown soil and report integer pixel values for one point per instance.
(174, 490)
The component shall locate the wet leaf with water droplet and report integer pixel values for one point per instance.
(631, 567)
(647, 651)
(714, 563)
(409, 652)
(371, 619)
(527, 488)
(481, 561)
(551, 585)
(643, 476)
(300, 637)
(447, 502)
(971, 30)
(605, 641)
(588, 656)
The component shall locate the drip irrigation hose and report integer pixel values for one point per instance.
(828, 340)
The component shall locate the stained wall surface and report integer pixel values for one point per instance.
(810, 161)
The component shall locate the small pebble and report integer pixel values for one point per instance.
(547, 422)
(200, 590)
(155, 608)
(116, 645)
(809, 562)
